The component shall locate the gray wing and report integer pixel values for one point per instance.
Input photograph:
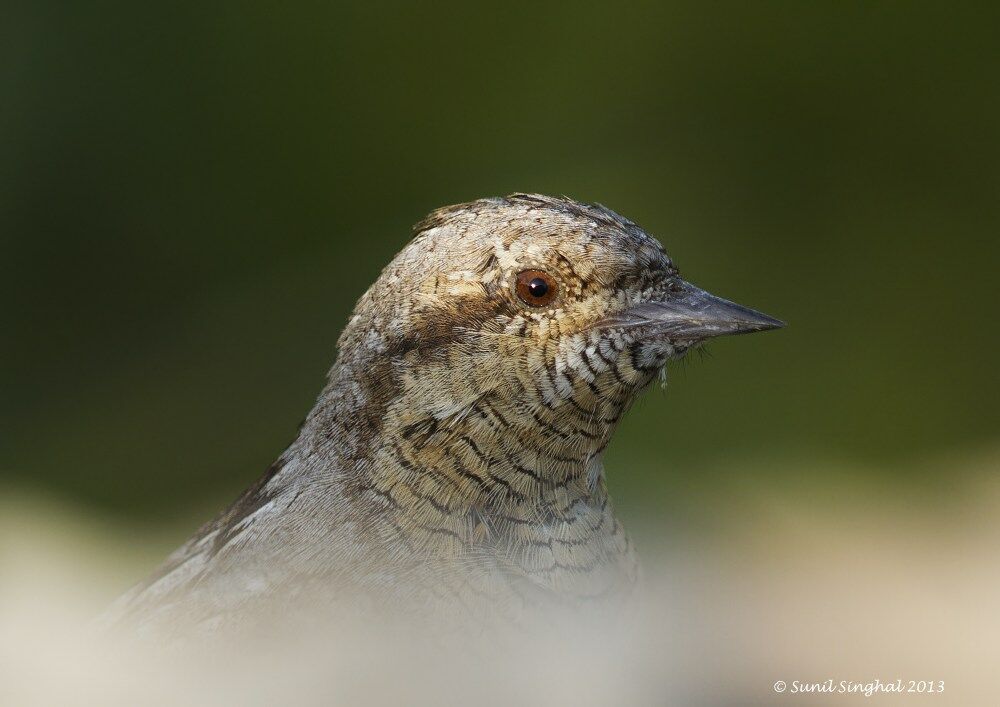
(230, 562)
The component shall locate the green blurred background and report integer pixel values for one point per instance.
(193, 195)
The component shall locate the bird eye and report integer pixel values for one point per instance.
(536, 288)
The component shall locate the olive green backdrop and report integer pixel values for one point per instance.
(193, 195)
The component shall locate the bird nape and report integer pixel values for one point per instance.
(454, 458)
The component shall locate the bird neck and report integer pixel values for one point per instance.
(487, 473)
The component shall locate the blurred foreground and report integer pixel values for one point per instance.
(853, 583)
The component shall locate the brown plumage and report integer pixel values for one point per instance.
(455, 453)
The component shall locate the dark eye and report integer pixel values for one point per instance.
(536, 288)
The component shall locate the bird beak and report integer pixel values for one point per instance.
(690, 313)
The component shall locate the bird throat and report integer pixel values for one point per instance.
(452, 471)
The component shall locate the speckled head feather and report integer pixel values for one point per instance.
(455, 452)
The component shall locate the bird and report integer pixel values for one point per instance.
(454, 456)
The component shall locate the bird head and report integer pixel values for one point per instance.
(546, 302)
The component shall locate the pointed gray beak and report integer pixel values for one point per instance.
(690, 313)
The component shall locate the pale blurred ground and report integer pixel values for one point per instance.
(844, 578)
